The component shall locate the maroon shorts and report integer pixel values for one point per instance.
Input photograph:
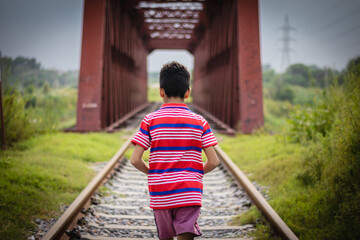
(174, 221)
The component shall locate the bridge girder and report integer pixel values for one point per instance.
(222, 35)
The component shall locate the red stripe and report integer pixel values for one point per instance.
(177, 119)
(171, 186)
(165, 165)
(176, 143)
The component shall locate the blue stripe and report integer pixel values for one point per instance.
(175, 149)
(176, 107)
(144, 131)
(179, 125)
(176, 170)
(176, 191)
(207, 131)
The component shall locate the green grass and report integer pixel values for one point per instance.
(68, 117)
(42, 173)
(267, 159)
(270, 161)
(275, 114)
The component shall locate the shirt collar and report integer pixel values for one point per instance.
(174, 105)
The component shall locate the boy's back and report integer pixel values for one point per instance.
(176, 137)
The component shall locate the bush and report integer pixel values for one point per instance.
(47, 112)
(331, 164)
(36, 113)
(276, 113)
(342, 170)
(285, 94)
(18, 124)
(310, 123)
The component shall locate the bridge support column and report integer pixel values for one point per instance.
(91, 67)
(249, 66)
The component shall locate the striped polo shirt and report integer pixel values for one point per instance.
(176, 137)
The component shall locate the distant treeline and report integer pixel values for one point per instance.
(303, 75)
(283, 86)
(153, 77)
(22, 72)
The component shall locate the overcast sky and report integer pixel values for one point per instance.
(327, 32)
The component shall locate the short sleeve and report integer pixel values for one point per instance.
(208, 139)
(142, 137)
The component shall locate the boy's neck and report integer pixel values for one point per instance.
(167, 100)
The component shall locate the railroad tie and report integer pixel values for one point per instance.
(123, 211)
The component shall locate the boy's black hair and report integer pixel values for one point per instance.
(174, 79)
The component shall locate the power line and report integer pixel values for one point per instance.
(330, 9)
(325, 45)
(351, 13)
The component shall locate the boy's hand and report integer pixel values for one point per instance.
(212, 159)
(137, 161)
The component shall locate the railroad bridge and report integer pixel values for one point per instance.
(222, 35)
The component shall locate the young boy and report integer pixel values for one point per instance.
(176, 137)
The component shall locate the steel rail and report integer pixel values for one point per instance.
(228, 130)
(256, 197)
(57, 231)
(126, 117)
(61, 225)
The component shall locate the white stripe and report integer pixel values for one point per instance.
(174, 174)
(177, 153)
(177, 195)
(176, 130)
(194, 200)
(210, 144)
(140, 140)
(171, 181)
(179, 130)
(177, 199)
(166, 181)
(176, 134)
(209, 136)
(180, 203)
(177, 160)
(183, 159)
(161, 176)
(174, 138)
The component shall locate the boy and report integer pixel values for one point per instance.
(176, 137)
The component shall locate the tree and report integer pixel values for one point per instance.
(298, 74)
(353, 66)
(285, 94)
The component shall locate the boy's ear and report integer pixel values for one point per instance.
(162, 92)
(187, 93)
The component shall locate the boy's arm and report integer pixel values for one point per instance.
(212, 159)
(137, 161)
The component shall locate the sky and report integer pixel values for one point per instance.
(327, 33)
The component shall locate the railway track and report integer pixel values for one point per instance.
(121, 209)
